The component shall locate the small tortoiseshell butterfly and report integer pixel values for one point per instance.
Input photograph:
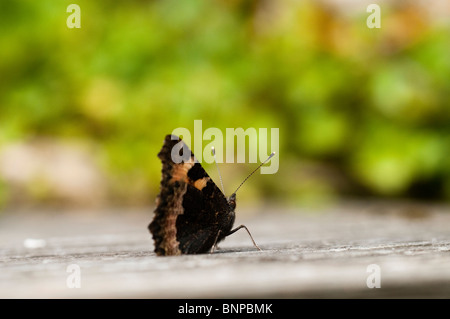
(192, 214)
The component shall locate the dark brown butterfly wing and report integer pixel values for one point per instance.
(192, 214)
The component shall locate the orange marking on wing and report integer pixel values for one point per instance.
(179, 172)
(201, 183)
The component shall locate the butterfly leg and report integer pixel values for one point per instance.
(215, 242)
(243, 226)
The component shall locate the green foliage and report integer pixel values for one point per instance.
(372, 104)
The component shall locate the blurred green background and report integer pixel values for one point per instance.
(362, 112)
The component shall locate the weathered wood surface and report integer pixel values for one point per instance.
(305, 254)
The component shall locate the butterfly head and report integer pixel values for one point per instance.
(232, 201)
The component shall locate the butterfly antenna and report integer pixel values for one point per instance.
(215, 161)
(270, 156)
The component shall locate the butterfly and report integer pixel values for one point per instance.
(192, 214)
